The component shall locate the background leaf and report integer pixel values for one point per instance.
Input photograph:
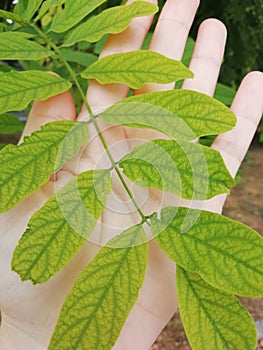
(83, 58)
(102, 297)
(212, 319)
(111, 21)
(40, 155)
(136, 68)
(187, 55)
(74, 12)
(18, 89)
(13, 16)
(27, 8)
(224, 94)
(203, 114)
(51, 239)
(186, 169)
(15, 47)
(225, 253)
(45, 7)
(9, 123)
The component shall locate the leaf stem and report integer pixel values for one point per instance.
(92, 119)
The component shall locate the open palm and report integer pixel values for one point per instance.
(29, 313)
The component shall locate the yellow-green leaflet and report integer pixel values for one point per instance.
(74, 12)
(145, 115)
(103, 295)
(212, 318)
(18, 89)
(111, 21)
(40, 155)
(225, 253)
(135, 68)
(186, 169)
(15, 47)
(201, 113)
(58, 230)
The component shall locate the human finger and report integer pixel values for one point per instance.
(207, 57)
(233, 145)
(170, 34)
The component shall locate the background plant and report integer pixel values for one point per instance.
(212, 268)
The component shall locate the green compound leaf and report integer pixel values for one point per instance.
(186, 169)
(18, 89)
(9, 123)
(58, 230)
(27, 8)
(15, 47)
(74, 12)
(136, 68)
(225, 253)
(111, 21)
(212, 319)
(39, 156)
(203, 114)
(101, 299)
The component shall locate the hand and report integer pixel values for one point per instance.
(29, 313)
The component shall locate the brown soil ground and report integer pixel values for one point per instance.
(245, 204)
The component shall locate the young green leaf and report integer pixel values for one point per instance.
(83, 58)
(203, 114)
(58, 230)
(135, 68)
(27, 8)
(186, 169)
(9, 123)
(225, 253)
(111, 21)
(145, 115)
(13, 16)
(103, 295)
(212, 318)
(74, 12)
(18, 89)
(15, 47)
(40, 155)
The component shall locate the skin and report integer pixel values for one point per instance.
(29, 313)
